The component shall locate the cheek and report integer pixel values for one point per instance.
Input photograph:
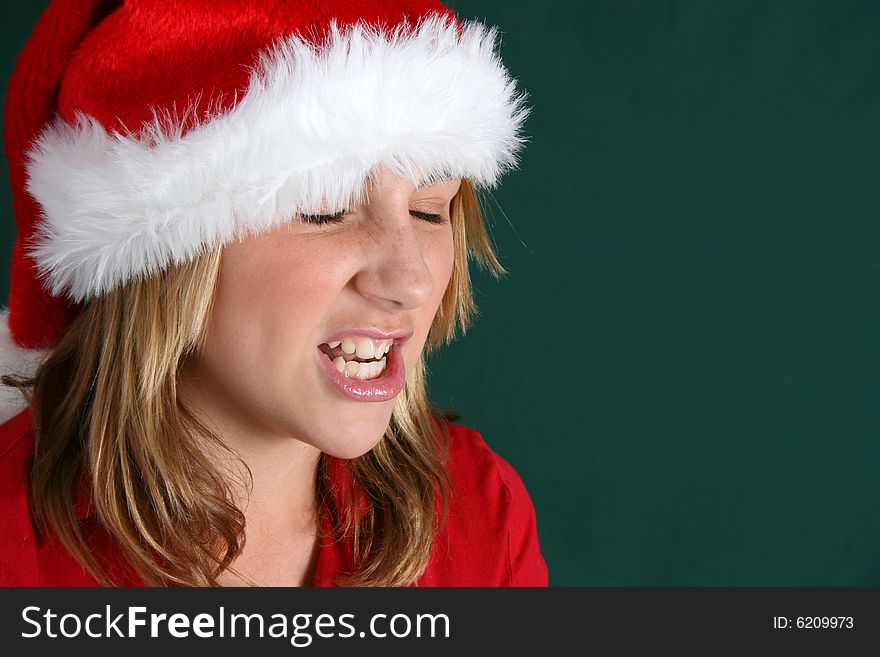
(269, 303)
(439, 258)
(441, 254)
(445, 255)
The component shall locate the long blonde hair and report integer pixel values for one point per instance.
(106, 408)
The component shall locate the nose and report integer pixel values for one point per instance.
(396, 275)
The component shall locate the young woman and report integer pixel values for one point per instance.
(240, 227)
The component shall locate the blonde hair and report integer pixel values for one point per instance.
(106, 407)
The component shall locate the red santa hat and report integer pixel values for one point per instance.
(141, 132)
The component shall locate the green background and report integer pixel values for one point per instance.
(683, 364)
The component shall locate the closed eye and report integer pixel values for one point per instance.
(339, 217)
(430, 218)
(335, 218)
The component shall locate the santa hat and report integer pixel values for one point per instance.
(141, 132)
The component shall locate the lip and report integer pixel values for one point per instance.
(400, 336)
(386, 387)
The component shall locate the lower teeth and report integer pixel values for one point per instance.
(357, 370)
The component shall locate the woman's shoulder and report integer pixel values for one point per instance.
(16, 450)
(489, 536)
(473, 464)
(26, 559)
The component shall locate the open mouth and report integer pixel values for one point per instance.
(359, 357)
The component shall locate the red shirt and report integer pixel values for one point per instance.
(489, 538)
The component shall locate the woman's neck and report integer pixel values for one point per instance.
(273, 480)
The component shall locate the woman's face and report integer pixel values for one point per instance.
(293, 304)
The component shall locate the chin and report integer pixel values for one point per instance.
(354, 439)
(355, 448)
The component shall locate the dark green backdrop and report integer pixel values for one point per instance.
(683, 364)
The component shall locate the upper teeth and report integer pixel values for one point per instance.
(364, 347)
